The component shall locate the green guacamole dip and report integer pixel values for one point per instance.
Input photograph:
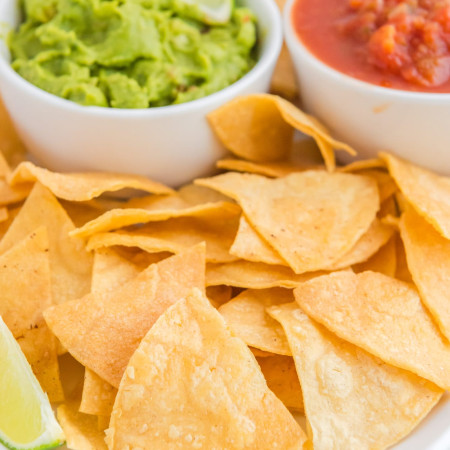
(129, 53)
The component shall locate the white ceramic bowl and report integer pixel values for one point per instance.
(413, 125)
(172, 144)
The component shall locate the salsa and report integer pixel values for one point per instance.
(401, 44)
(130, 53)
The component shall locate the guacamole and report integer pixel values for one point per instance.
(130, 53)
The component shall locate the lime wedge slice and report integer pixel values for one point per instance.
(211, 12)
(26, 417)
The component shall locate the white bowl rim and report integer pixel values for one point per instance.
(294, 41)
(263, 64)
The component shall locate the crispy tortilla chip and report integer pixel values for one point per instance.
(282, 380)
(252, 127)
(356, 166)
(255, 127)
(368, 244)
(70, 264)
(98, 395)
(103, 330)
(40, 348)
(191, 383)
(80, 187)
(72, 375)
(13, 194)
(260, 353)
(311, 218)
(251, 275)
(26, 292)
(252, 247)
(388, 208)
(4, 214)
(382, 315)
(428, 257)
(384, 261)
(80, 429)
(386, 184)
(247, 318)
(5, 224)
(427, 192)
(10, 144)
(284, 82)
(218, 295)
(352, 399)
(120, 218)
(401, 271)
(271, 170)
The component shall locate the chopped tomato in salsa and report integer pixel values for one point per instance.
(394, 43)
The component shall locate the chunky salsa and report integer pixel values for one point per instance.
(401, 44)
(130, 53)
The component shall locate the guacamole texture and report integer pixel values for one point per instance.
(130, 53)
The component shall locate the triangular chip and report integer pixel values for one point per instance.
(83, 186)
(310, 218)
(382, 315)
(384, 260)
(70, 263)
(282, 379)
(102, 330)
(271, 170)
(427, 192)
(120, 218)
(251, 275)
(352, 399)
(10, 144)
(246, 316)
(192, 384)
(26, 291)
(428, 257)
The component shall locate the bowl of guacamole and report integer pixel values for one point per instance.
(127, 85)
(131, 53)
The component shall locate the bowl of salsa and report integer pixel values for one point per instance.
(126, 85)
(377, 72)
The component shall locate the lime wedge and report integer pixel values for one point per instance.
(211, 12)
(26, 417)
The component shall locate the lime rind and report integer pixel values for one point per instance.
(52, 435)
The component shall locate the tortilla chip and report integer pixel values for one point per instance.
(284, 81)
(120, 218)
(102, 330)
(80, 187)
(251, 127)
(368, 244)
(40, 348)
(402, 271)
(271, 170)
(382, 315)
(428, 257)
(249, 245)
(72, 376)
(218, 295)
(13, 194)
(247, 318)
(311, 218)
(388, 208)
(384, 261)
(356, 166)
(5, 224)
(80, 429)
(98, 395)
(3, 214)
(260, 353)
(10, 144)
(352, 399)
(386, 184)
(251, 275)
(188, 385)
(282, 379)
(427, 192)
(70, 264)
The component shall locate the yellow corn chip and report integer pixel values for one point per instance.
(103, 330)
(352, 399)
(247, 318)
(428, 257)
(282, 380)
(13, 194)
(251, 275)
(311, 218)
(283, 81)
(70, 264)
(218, 295)
(427, 192)
(401, 271)
(80, 187)
(260, 353)
(356, 166)
(382, 315)
(384, 261)
(98, 395)
(120, 218)
(252, 128)
(10, 144)
(4, 214)
(80, 429)
(386, 184)
(188, 384)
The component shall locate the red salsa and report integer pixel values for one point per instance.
(401, 44)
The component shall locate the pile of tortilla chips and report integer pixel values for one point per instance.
(220, 314)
